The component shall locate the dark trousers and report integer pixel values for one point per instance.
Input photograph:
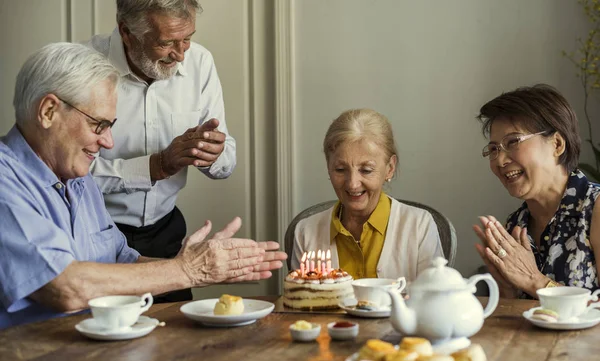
(161, 240)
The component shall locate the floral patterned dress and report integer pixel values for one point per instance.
(565, 254)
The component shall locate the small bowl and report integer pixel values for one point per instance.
(342, 333)
(305, 335)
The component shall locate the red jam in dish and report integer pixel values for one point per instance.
(343, 324)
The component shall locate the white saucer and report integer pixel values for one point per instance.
(587, 320)
(442, 348)
(202, 311)
(349, 305)
(91, 329)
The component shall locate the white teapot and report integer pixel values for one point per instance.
(442, 305)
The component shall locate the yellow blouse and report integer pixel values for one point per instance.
(360, 259)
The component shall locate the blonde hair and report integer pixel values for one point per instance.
(360, 124)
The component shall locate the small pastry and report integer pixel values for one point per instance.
(366, 305)
(472, 353)
(546, 315)
(229, 305)
(375, 350)
(435, 357)
(420, 345)
(401, 355)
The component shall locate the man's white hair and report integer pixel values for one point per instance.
(134, 13)
(70, 71)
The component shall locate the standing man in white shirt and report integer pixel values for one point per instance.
(171, 112)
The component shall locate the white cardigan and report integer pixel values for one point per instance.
(411, 241)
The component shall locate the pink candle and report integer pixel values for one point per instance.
(312, 261)
(318, 259)
(302, 264)
(328, 261)
(307, 266)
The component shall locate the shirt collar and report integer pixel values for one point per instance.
(378, 219)
(570, 205)
(23, 153)
(117, 57)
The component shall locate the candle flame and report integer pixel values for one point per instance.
(318, 254)
(328, 254)
(303, 257)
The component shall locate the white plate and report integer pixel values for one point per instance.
(202, 311)
(91, 329)
(587, 320)
(442, 348)
(349, 305)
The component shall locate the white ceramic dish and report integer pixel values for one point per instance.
(342, 333)
(349, 305)
(305, 335)
(202, 311)
(91, 329)
(589, 319)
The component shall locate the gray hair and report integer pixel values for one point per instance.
(133, 13)
(70, 71)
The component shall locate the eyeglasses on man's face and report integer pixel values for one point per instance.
(101, 125)
(508, 144)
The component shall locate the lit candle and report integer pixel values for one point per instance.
(318, 263)
(328, 261)
(323, 264)
(307, 267)
(302, 264)
(312, 261)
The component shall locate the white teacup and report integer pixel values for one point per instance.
(567, 301)
(113, 312)
(374, 290)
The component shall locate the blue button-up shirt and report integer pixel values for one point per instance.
(44, 226)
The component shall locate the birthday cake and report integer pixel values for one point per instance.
(319, 288)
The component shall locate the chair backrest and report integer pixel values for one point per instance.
(445, 228)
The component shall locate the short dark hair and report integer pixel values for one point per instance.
(538, 108)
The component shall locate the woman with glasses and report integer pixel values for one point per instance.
(553, 239)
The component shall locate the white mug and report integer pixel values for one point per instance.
(113, 312)
(374, 290)
(567, 301)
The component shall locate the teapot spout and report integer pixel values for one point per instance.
(404, 319)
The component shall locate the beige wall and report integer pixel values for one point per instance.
(428, 65)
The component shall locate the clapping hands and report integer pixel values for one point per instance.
(508, 257)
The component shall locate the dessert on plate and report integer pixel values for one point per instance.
(472, 353)
(375, 350)
(315, 290)
(419, 345)
(229, 305)
(546, 315)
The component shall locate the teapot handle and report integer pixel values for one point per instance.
(493, 286)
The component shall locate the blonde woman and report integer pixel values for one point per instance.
(369, 233)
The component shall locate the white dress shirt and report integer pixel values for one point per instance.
(411, 241)
(149, 118)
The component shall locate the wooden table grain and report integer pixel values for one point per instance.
(506, 335)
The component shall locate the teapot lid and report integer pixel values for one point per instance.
(439, 277)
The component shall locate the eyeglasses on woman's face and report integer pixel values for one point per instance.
(508, 144)
(101, 125)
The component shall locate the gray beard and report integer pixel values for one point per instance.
(153, 70)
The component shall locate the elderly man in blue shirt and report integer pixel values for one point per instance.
(59, 247)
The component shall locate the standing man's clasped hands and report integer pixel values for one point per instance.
(199, 146)
(509, 258)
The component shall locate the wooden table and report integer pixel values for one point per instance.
(506, 335)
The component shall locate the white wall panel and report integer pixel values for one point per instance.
(26, 25)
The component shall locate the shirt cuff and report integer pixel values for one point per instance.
(136, 173)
